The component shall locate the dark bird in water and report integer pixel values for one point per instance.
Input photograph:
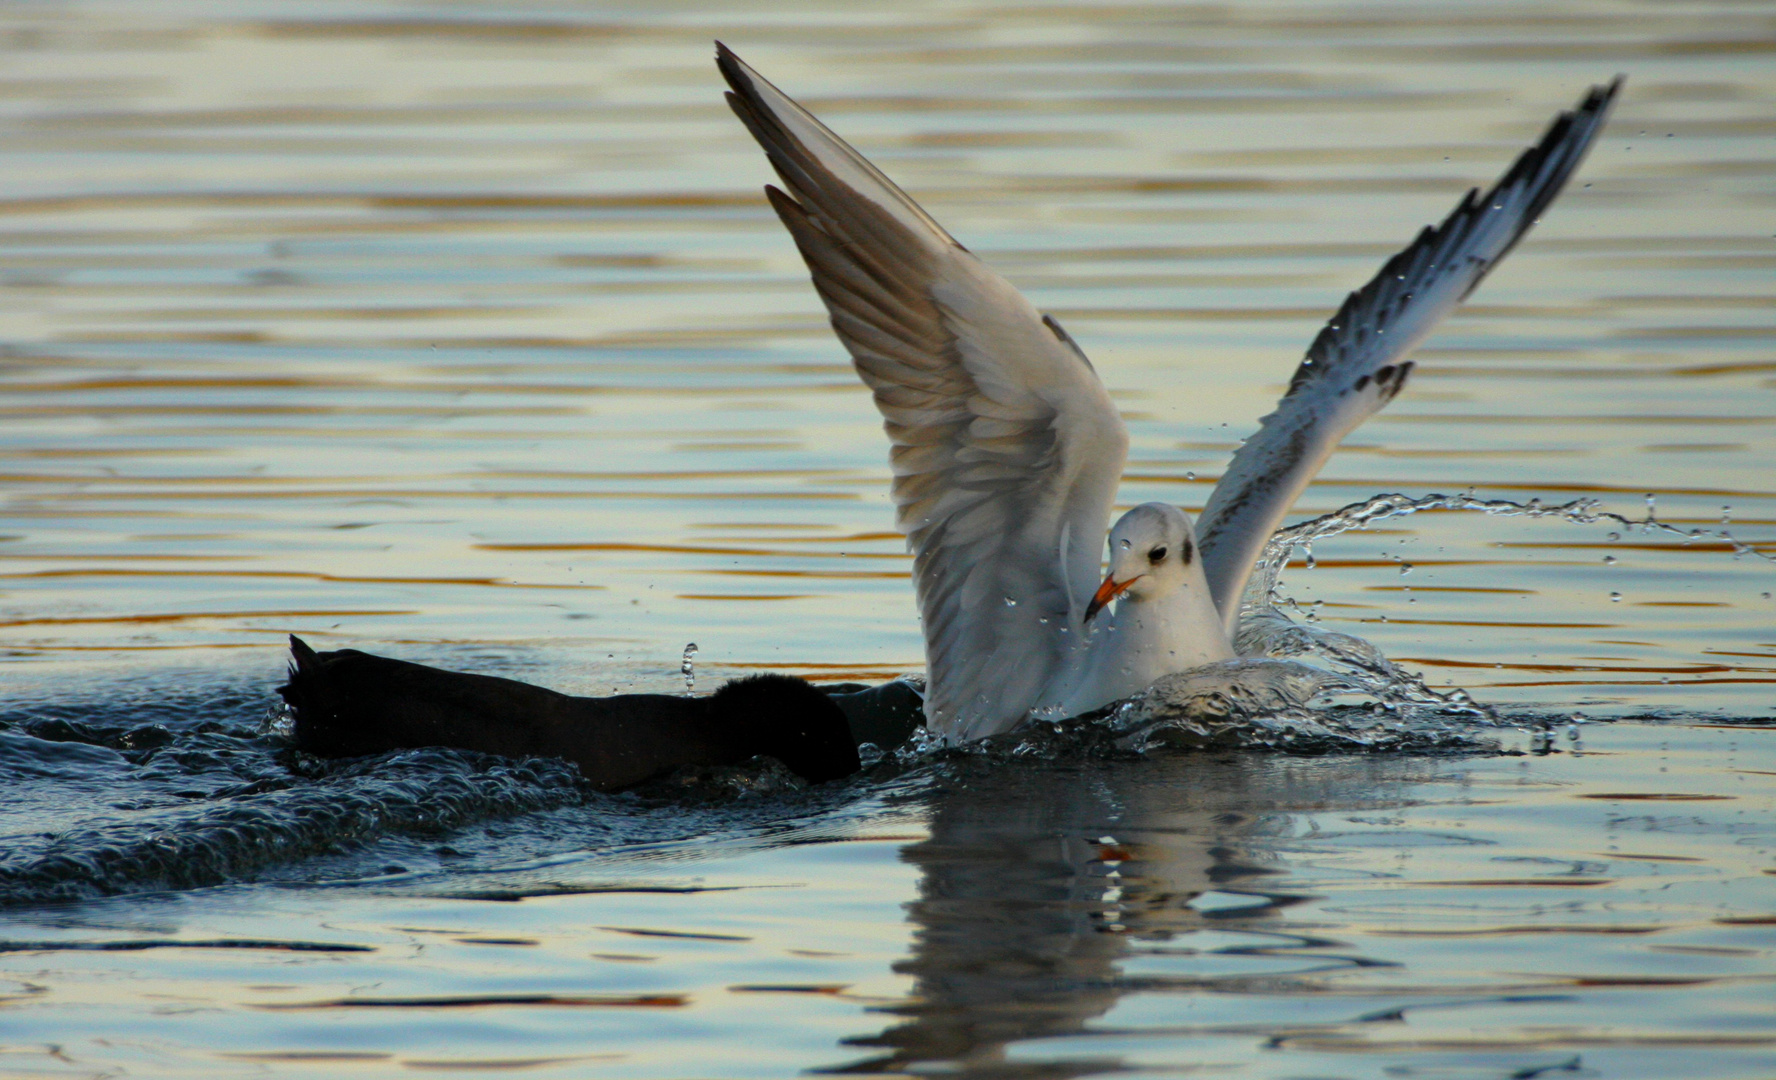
(349, 703)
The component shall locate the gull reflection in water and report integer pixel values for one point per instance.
(1042, 882)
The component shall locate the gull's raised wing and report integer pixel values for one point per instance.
(1358, 363)
(1006, 448)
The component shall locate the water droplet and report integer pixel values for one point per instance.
(1188, 475)
(1615, 598)
(1405, 568)
(1124, 544)
(684, 666)
(1613, 537)
(1609, 560)
(1009, 602)
(1726, 515)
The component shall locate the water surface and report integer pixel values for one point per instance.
(463, 334)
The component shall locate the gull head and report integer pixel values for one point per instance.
(1152, 554)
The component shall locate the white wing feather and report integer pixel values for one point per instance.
(1358, 363)
(1006, 447)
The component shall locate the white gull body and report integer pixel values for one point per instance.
(1007, 451)
(1165, 618)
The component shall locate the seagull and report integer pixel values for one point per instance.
(1006, 449)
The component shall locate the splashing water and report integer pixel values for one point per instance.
(1357, 666)
(1301, 688)
(1261, 590)
(1262, 703)
(1246, 704)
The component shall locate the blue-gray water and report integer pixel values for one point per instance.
(463, 334)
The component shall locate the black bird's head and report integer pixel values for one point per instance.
(790, 720)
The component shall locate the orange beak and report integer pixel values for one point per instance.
(1108, 591)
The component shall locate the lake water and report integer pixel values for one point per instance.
(463, 334)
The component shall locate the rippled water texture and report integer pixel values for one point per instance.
(463, 334)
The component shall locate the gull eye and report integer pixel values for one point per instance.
(1158, 554)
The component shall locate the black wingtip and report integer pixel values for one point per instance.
(1598, 100)
(733, 69)
(791, 212)
(1556, 150)
(1559, 149)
